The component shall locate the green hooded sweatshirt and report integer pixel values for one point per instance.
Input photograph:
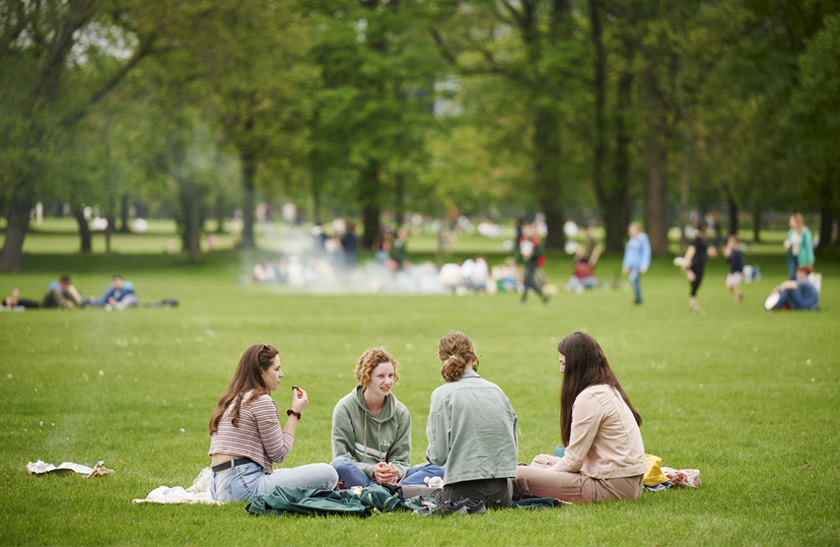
(368, 439)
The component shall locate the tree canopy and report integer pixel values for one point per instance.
(623, 109)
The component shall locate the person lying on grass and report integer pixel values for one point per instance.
(471, 431)
(371, 429)
(246, 438)
(604, 458)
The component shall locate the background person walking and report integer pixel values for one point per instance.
(636, 258)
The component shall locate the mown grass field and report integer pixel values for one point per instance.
(746, 396)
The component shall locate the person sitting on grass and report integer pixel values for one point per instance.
(119, 295)
(62, 294)
(588, 250)
(604, 457)
(471, 431)
(371, 429)
(800, 294)
(246, 438)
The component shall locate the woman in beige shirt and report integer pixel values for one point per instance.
(604, 457)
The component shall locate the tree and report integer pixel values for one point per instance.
(535, 46)
(41, 47)
(817, 121)
(252, 56)
(374, 104)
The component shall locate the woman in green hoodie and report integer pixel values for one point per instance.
(371, 429)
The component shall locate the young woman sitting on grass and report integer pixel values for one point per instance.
(471, 431)
(246, 438)
(604, 458)
(371, 429)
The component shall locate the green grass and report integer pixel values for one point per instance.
(743, 395)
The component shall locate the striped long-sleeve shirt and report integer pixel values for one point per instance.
(258, 435)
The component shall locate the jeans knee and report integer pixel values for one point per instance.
(342, 463)
(329, 475)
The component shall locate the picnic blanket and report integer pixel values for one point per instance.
(310, 501)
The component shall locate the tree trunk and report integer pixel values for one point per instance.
(124, 214)
(109, 217)
(249, 169)
(826, 216)
(192, 205)
(220, 212)
(688, 151)
(554, 221)
(599, 145)
(399, 179)
(756, 218)
(617, 216)
(616, 220)
(733, 217)
(369, 200)
(732, 212)
(316, 188)
(86, 246)
(193, 227)
(547, 174)
(18, 223)
(656, 207)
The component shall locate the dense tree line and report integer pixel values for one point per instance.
(622, 107)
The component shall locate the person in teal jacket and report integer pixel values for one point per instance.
(471, 431)
(371, 429)
(799, 245)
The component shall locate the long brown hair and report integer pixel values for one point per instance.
(456, 351)
(586, 365)
(248, 377)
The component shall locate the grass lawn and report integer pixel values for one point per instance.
(746, 396)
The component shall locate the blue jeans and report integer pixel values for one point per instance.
(634, 280)
(793, 299)
(352, 474)
(793, 263)
(243, 482)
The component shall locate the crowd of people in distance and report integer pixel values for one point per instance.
(331, 261)
(801, 291)
(119, 295)
(472, 452)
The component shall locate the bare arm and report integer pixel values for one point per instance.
(299, 402)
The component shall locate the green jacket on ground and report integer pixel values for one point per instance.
(472, 430)
(368, 439)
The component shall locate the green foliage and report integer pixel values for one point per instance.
(373, 104)
(815, 105)
(359, 107)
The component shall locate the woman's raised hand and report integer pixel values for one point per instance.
(299, 399)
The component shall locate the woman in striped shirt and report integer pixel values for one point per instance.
(246, 438)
